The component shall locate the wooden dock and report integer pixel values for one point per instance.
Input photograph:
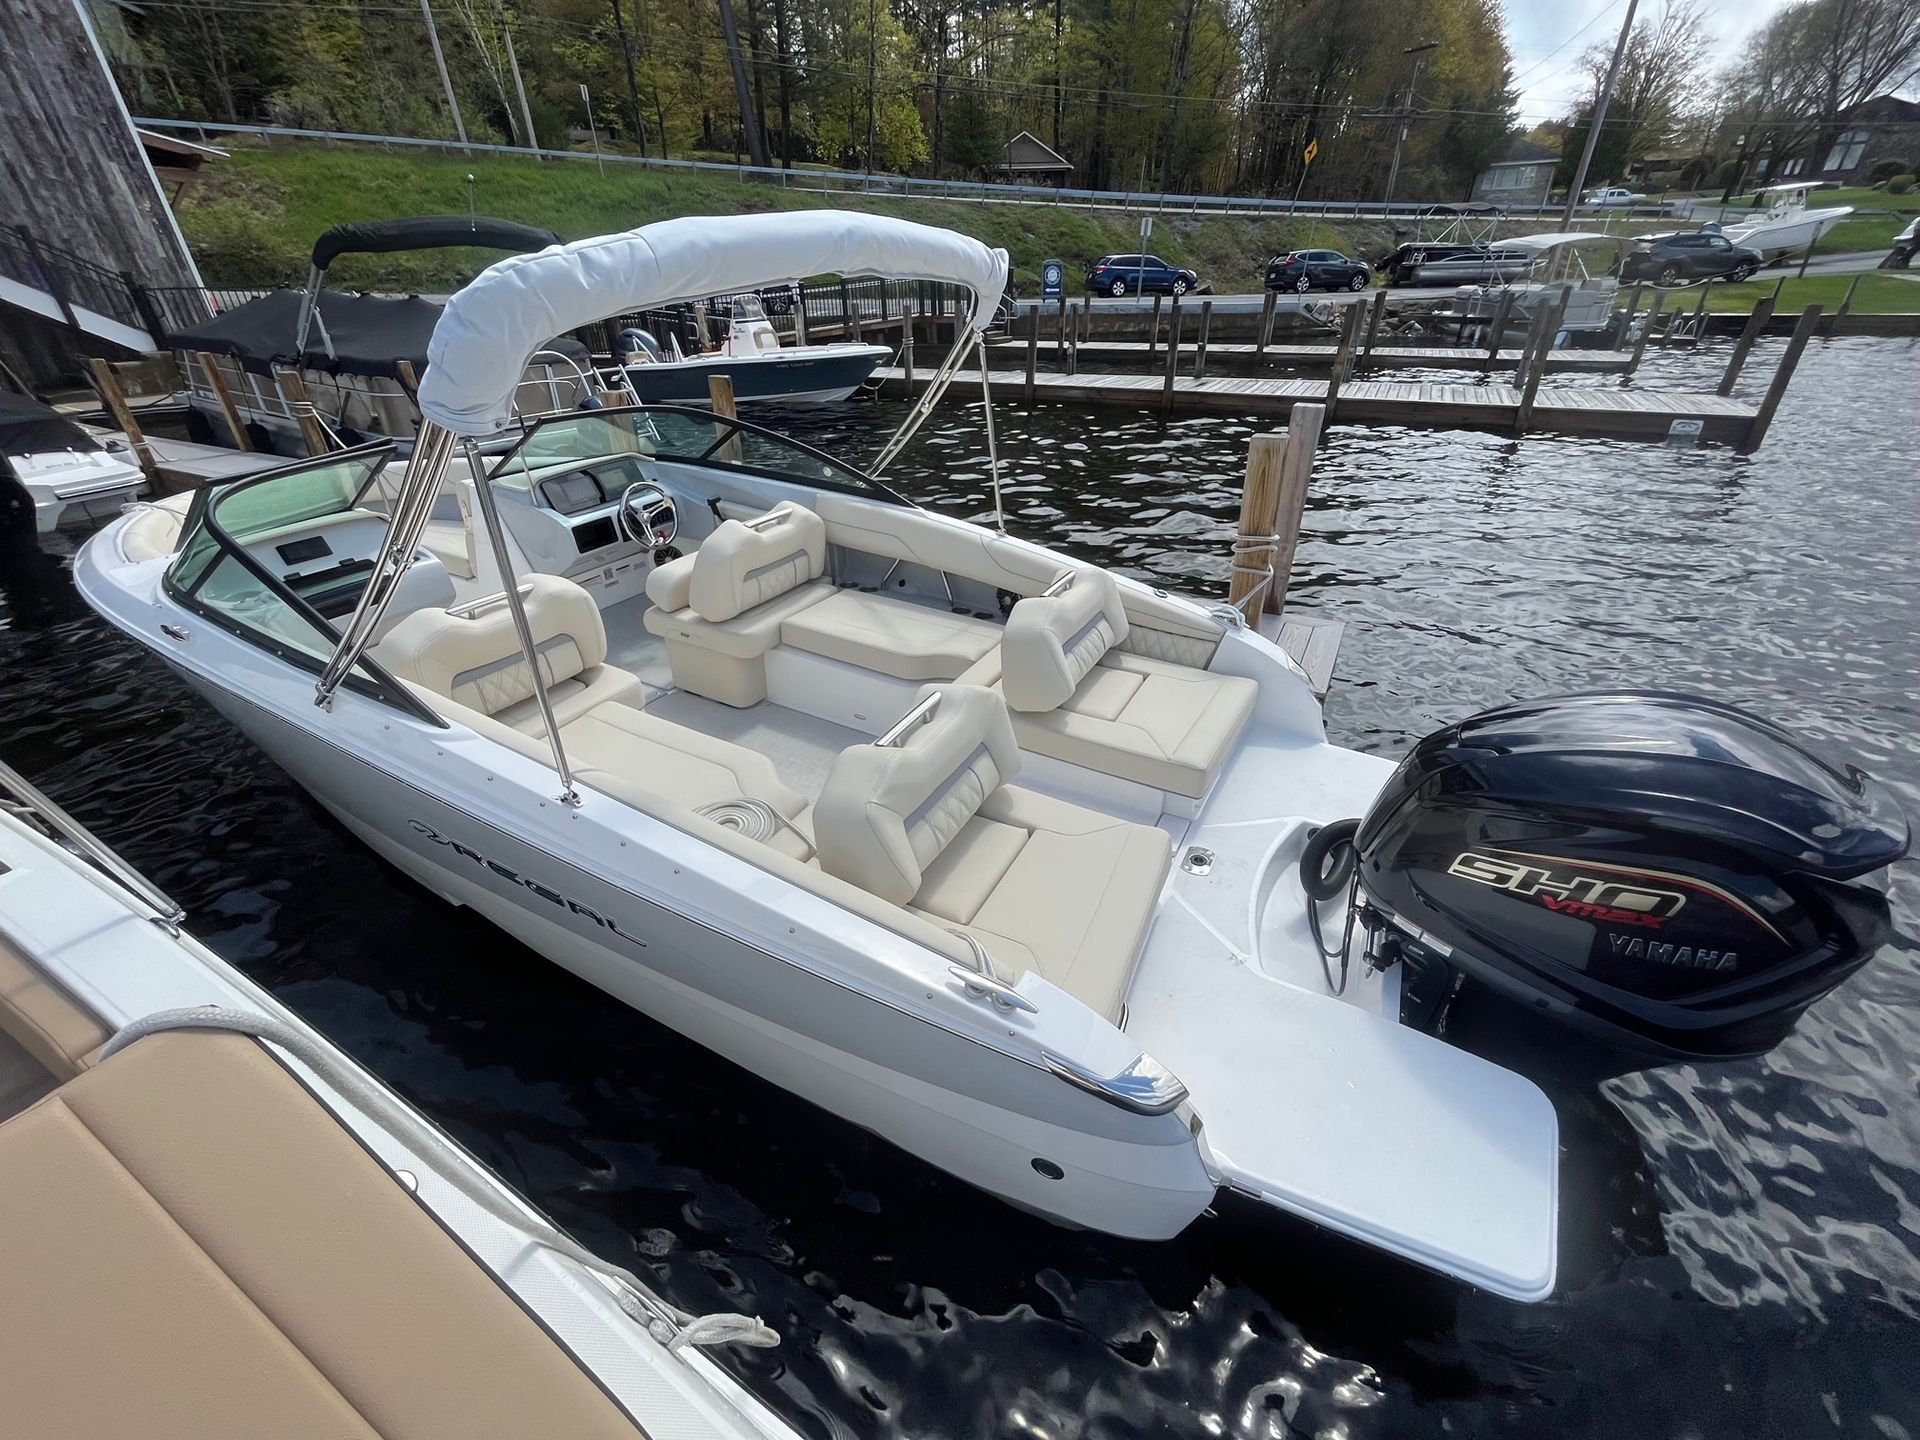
(1618, 412)
(1313, 644)
(1242, 358)
(187, 465)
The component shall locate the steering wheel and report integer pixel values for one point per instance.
(647, 515)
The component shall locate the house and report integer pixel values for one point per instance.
(1883, 128)
(1027, 157)
(176, 163)
(1658, 171)
(1522, 177)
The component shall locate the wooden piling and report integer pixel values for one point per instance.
(1534, 358)
(1696, 323)
(223, 397)
(1060, 326)
(1501, 309)
(1266, 323)
(1778, 286)
(1033, 348)
(1646, 333)
(1626, 320)
(1782, 374)
(1173, 358)
(1806, 258)
(1296, 473)
(1153, 330)
(293, 390)
(1756, 326)
(1200, 351)
(720, 396)
(1846, 304)
(800, 313)
(1373, 321)
(115, 399)
(1279, 466)
(1343, 357)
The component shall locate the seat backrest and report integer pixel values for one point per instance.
(475, 659)
(1052, 641)
(887, 811)
(747, 563)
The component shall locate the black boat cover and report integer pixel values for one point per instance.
(29, 428)
(369, 333)
(428, 232)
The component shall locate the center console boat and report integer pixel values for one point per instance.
(1037, 871)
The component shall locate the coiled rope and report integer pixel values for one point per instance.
(1245, 550)
(671, 1327)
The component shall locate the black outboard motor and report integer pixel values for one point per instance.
(1670, 875)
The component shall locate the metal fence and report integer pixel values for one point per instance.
(868, 183)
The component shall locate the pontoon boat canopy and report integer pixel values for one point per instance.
(1791, 185)
(1553, 239)
(490, 328)
(428, 232)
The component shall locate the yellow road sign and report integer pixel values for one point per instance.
(1313, 149)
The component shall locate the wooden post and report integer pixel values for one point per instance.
(1807, 257)
(1304, 424)
(1373, 323)
(1059, 327)
(1778, 286)
(293, 390)
(1539, 342)
(1266, 322)
(1640, 345)
(1496, 329)
(1697, 323)
(223, 397)
(906, 354)
(720, 396)
(1343, 356)
(1846, 304)
(1173, 358)
(1782, 373)
(115, 399)
(1626, 320)
(1033, 347)
(1200, 352)
(1153, 330)
(800, 312)
(1756, 324)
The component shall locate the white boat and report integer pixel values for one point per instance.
(752, 358)
(1539, 270)
(69, 473)
(978, 846)
(215, 1224)
(1789, 226)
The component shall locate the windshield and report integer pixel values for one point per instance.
(747, 308)
(694, 437)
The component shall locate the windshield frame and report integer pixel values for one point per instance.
(864, 485)
(204, 512)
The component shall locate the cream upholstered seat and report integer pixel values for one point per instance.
(476, 660)
(929, 823)
(153, 529)
(720, 609)
(195, 1247)
(894, 637)
(1077, 698)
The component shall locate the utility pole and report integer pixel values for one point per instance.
(1599, 116)
(1419, 54)
(446, 81)
(519, 85)
(633, 85)
(750, 127)
(873, 24)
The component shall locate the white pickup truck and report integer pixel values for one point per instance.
(1611, 195)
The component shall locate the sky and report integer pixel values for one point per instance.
(1547, 40)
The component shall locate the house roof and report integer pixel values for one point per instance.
(1885, 108)
(1526, 152)
(1026, 151)
(173, 145)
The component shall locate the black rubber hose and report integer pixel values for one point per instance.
(1329, 843)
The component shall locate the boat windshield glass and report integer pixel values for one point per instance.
(278, 558)
(694, 437)
(747, 308)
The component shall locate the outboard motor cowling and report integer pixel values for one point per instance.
(1669, 874)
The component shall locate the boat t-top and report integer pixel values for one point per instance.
(752, 357)
(1788, 225)
(1046, 875)
(1527, 272)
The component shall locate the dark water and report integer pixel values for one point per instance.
(1740, 1244)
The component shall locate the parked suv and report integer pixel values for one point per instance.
(1118, 274)
(1692, 255)
(1304, 270)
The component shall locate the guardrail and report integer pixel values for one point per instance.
(868, 183)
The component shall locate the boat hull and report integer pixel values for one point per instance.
(830, 373)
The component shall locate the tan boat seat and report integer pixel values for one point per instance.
(153, 529)
(893, 637)
(929, 823)
(476, 659)
(60, 1033)
(1077, 698)
(195, 1249)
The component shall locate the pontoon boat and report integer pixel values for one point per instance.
(1025, 866)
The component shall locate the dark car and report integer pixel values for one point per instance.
(1139, 274)
(1691, 255)
(1305, 270)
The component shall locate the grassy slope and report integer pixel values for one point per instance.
(256, 216)
(1878, 294)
